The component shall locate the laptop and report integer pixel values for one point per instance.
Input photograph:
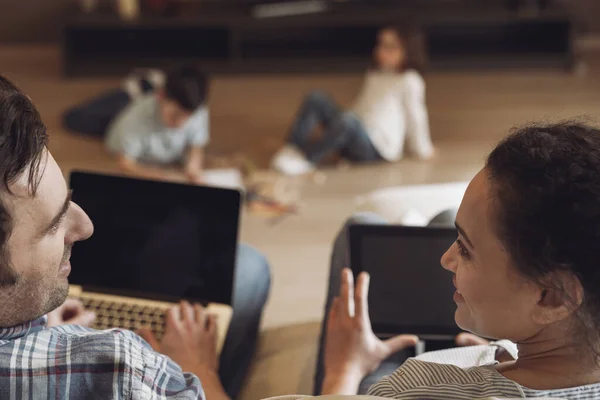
(410, 292)
(154, 244)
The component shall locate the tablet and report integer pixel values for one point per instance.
(410, 292)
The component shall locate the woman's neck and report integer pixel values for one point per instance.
(552, 362)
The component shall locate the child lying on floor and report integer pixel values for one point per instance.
(152, 124)
(389, 111)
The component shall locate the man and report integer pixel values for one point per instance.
(38, 227)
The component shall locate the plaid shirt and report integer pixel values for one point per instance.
(79, 363)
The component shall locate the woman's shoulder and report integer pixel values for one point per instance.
(420, 377)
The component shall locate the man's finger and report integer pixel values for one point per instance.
(173, 316)
(85, 318)
(361, 298)
(187, 311)
(198, 311)
(400, 342)
(73, 304)
(202, 320)
(211, 324)
(70, 310)
(149, 337)
(347, 292)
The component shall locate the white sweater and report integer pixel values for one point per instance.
(392, 108)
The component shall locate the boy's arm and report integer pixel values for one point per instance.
(133, 167)
(194, 163)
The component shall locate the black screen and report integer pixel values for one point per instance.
(155, 239)
(410, 292)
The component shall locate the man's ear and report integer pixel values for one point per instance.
(559, 299)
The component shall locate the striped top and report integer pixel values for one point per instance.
(458, 374)
(444, 375)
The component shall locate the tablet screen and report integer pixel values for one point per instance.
(410, 291)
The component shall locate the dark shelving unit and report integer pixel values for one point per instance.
(231, 41)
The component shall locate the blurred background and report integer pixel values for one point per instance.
(490, 65)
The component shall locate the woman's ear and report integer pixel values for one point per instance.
(558, 301)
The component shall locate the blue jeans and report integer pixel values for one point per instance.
(95, 115)
(343, 132)
(340, 259)
(251, 287)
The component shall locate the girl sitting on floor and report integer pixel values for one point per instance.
(390, 110)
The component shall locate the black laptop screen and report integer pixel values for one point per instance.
(156, 240)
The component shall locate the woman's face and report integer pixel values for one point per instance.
(493, 300)
(389, 52)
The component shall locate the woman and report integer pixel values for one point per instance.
(390, 110)
(526, 268)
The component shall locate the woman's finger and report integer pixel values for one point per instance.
(361, 299)
(347, 293)
(334, 310)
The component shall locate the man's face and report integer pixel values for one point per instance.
(45, 227)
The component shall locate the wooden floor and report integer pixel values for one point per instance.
(469, 112)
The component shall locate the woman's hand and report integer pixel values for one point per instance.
(468, 339)
(352, 350)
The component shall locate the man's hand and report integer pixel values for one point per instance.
(352, 350)
(190, 338)
(71, 312)
(191, 341)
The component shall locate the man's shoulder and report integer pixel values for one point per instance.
(98, 362)
(77, 333)
(88, 344)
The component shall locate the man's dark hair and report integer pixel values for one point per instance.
(187, 86)
(23, 138)
(545, 185)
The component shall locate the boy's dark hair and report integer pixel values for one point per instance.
(187, 86)
(23, 139)
(545, 184)
(412, 41)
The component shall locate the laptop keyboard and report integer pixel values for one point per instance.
(114, 311)
(114, 314)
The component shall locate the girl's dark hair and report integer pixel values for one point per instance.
(545, 184)
(187, 86)
(414, 48)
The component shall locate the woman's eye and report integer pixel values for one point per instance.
(462, 250)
